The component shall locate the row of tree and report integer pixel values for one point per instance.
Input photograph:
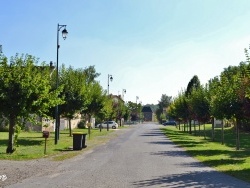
(226, 96)
(29, 89)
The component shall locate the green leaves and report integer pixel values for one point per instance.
(25, 89)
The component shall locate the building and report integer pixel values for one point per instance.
(147, 113)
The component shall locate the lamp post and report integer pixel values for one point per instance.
(1, 49)
(110, 77)
(137, 99)
(57, 117)
(137, 108)
(123, 92)
(140, 111)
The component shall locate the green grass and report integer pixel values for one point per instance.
(31, 144)
(224, 158)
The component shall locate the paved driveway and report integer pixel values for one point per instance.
(140, 157)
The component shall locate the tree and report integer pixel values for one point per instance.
(24, 90)
(163, 104)
(119, 109)
(127, 112)
(96, 99)
(106, 111)
(178, 108)
(132, 108)
(231, 100)
(90, 74)
(193, 84)
(211, 88)
(73, 92)
(200, 105)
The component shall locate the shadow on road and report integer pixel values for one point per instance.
(192, 179)
(161, 142)
(153, 132)
(174, 153)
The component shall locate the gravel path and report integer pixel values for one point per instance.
(138, 157)
(15, 171)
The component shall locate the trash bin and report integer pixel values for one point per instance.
(84, 141)
(79, 141)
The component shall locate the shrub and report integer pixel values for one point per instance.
(81, 125)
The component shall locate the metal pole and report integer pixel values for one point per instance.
(108, 84)
(123, 92)
(64, 33)
(108, 96)
(57, 84)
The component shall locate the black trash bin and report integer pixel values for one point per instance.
(84, 141)
(79, 141)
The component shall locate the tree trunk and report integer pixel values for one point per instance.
(194, 128)
(89, 127)
(204, 131)
(70, 129)
(199, 129)
(213, 130)
(222, 133)
(237, 135)
(10, 148)
(190, 127)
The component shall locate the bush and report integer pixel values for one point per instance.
(81, 125)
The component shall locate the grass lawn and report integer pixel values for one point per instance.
(224, 158)
(32, 144)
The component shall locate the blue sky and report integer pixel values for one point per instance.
(150, 47)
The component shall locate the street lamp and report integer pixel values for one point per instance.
(123, 92)
(64, 36)
(137, 99)
(110, 77)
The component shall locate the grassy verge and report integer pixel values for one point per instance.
(224, 158)
(31, 145)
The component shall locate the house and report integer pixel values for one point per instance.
(147, 113)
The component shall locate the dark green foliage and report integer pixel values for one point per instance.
(81, 125)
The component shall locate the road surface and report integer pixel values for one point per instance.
(140, 157)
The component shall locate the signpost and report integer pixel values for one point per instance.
(45, 135)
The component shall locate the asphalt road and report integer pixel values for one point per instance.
(140, 157)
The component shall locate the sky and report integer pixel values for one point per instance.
(150, 47)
